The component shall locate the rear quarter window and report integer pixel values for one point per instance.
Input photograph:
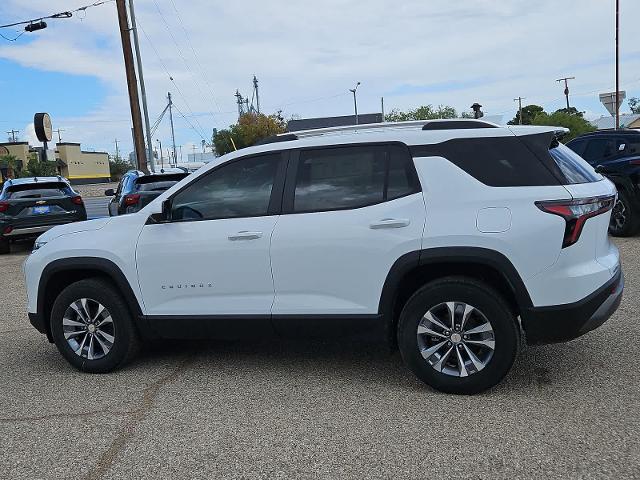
(494, 161)
(573, 167)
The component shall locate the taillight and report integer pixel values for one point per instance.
(8, 230)
(576, 213)
(77, 200)
(130, 200)
(4, 206)
(634, 162)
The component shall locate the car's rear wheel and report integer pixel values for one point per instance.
(92, 326)
(5, 246)
(625, 218)
(458, 335)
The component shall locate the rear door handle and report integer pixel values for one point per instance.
(390, 223)
(245, 235)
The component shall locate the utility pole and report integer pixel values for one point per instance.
(59, 136)
(566, 87)
(132, 86)
(13, 134)
(143, 92)
(519, 100)
(617, 64)
(117, 152)
(355, 101)
(173, 135)
(161, 160)
(255, 87)
(382, 107)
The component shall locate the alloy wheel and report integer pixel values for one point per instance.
(456, 339)
(619, 215)
(88, 328)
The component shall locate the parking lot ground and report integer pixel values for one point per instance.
(316, 408)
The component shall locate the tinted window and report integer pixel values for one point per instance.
(337, 178)
(631, 145)
(572, 166)
(157, 183)
(577, 146)
(37, 190)
(240, 189)
(401, 179)
(598, 150)
(494, 161)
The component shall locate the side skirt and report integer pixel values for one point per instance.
(233, 327)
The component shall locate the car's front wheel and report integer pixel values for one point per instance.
(92, 327)
(458, 335)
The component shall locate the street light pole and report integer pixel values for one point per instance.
(617, 64)
(355, 101)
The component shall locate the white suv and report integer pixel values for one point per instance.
(459, 239)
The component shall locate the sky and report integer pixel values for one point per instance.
(306, 55)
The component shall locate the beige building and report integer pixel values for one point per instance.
(80, 166)
(72, 162)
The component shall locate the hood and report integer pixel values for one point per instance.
(75, 227)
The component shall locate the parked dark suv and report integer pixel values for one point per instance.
(616, 154)
(136, 189)
(30, 206)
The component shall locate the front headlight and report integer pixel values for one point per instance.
(38, 244)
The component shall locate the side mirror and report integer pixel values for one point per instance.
(163, 216)
(599, 169)
(109, 193)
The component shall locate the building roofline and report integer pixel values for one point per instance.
(13, 143)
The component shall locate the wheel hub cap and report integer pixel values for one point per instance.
(456, 339)
(88, 328)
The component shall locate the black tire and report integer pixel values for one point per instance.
(484, 299)
(625, 217)
(125, 344)
(5, 246)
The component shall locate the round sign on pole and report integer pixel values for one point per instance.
(3, 150)
(42, 124)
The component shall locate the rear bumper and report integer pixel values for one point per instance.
(560, 323)
(28, 229)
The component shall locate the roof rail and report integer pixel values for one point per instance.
(457, 124)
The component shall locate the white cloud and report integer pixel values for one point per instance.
(307, 55)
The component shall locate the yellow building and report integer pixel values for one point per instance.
(80, 166)
(75, 164)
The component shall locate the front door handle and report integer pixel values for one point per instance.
(390, 223)
(245, 235)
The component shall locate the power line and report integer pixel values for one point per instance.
(190, 124)
(14, 38)
(66, 14)
(195, 55)
(184, 60)
(164, 67)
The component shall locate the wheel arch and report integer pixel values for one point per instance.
(415, 269)
(61, 273)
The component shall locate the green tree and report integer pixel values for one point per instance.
(118, 167)
(634, 104)
(528, 114)
(251, 128)
(576, 124)
(425, 112)
(37, 168)
(11, 166)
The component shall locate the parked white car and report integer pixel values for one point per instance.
(459, 239)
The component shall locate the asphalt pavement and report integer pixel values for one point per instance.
(96, 206)
(316, 409)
